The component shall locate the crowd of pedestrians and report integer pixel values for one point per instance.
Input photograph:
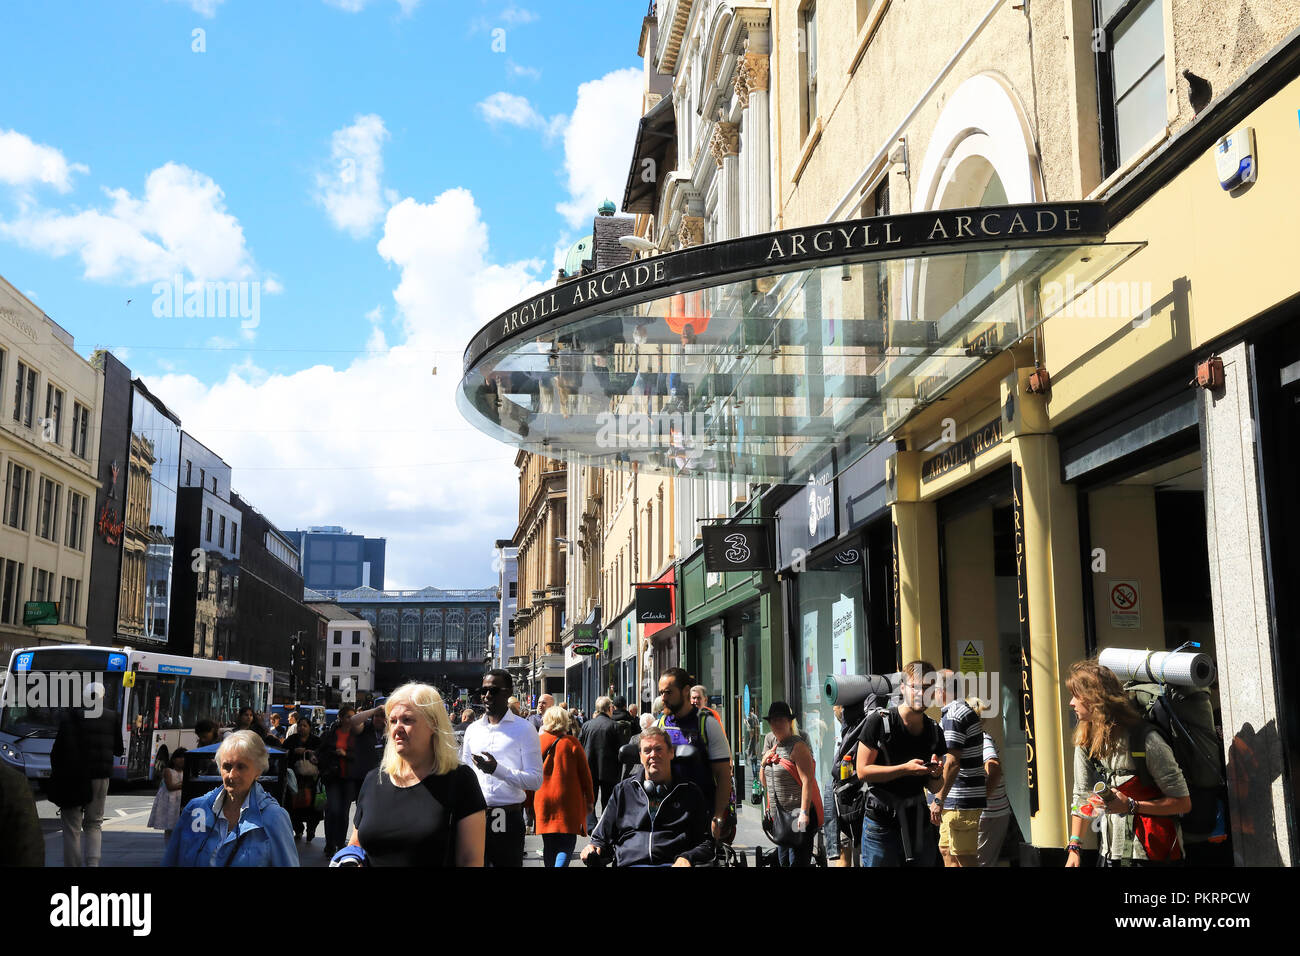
(416, 783)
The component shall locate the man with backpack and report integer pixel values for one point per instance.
(899, 756)
(701, 752)
(625, 721)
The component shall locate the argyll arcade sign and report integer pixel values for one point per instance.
(863, 240)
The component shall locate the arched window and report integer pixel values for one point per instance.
(455, 634)
(388, 645)
(476, 636)
(432, 650)
(410, 635)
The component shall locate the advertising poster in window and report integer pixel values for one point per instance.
(812, 692)
(842, 637)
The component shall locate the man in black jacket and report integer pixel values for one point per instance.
(624, 721)
(80, 766)
(599, 738)
(655, 820)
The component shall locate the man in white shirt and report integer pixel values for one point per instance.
(507, 759)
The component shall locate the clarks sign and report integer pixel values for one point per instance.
(863, 240)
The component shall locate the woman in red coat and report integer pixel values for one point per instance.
(566, 796)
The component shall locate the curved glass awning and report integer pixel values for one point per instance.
(757, 357)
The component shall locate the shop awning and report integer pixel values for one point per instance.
(755, 357)
(656, 132)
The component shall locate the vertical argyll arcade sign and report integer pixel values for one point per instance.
(863, 240)
(1022, 610)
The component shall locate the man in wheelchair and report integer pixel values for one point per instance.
(653, 818)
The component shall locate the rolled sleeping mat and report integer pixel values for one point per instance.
(849, 689)
(1184, 668)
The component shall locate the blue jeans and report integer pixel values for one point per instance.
(799, 855)
(554, 844)
(883, 846)
(339, 796)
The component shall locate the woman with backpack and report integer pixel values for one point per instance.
(1143, 790)
(788, 772)
(566, 795)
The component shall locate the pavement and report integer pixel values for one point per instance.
(127, 841)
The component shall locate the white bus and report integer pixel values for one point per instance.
(167, 696)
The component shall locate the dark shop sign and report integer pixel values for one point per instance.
(1026, 671)
(928, 233)
(737, 547)
(654, 604)
(964, 451)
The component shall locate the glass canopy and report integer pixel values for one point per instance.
(763, 376)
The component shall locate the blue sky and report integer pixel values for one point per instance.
(382, 173)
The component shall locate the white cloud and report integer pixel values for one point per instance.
(179, 226)
(514, 69)
(598, 143)
(416, 473)
(517, 16)
(352, 194)
(207, 8)
(356, 6)
(25, 163)
(514, 110)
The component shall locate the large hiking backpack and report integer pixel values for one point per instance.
(848, 792)
(1184, 717)
(697, 767)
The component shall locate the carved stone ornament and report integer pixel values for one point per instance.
(725, 141)
(691, 231)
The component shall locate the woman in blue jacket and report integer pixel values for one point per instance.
(238, 823)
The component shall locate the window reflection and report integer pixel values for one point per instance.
(149, 533)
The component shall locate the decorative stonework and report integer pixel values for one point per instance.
(756, 71)
(741, 84)
(691, 231)
(725, 141)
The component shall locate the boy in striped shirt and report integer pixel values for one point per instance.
(960, 801)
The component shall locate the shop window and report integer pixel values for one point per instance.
(1130, 42)
(829, 638)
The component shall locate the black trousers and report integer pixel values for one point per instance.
(504, 843)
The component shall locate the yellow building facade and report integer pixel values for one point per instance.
(1041, 518)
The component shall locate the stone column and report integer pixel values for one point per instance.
(725, 146)
(1257, 790)
(1050, 603)
(916, 558)
(752, 91)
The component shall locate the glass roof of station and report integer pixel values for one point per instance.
(755, 372)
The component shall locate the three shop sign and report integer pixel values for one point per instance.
(737, 547)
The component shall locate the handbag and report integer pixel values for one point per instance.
(778, 826)
(319, 800)
(305, 768)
